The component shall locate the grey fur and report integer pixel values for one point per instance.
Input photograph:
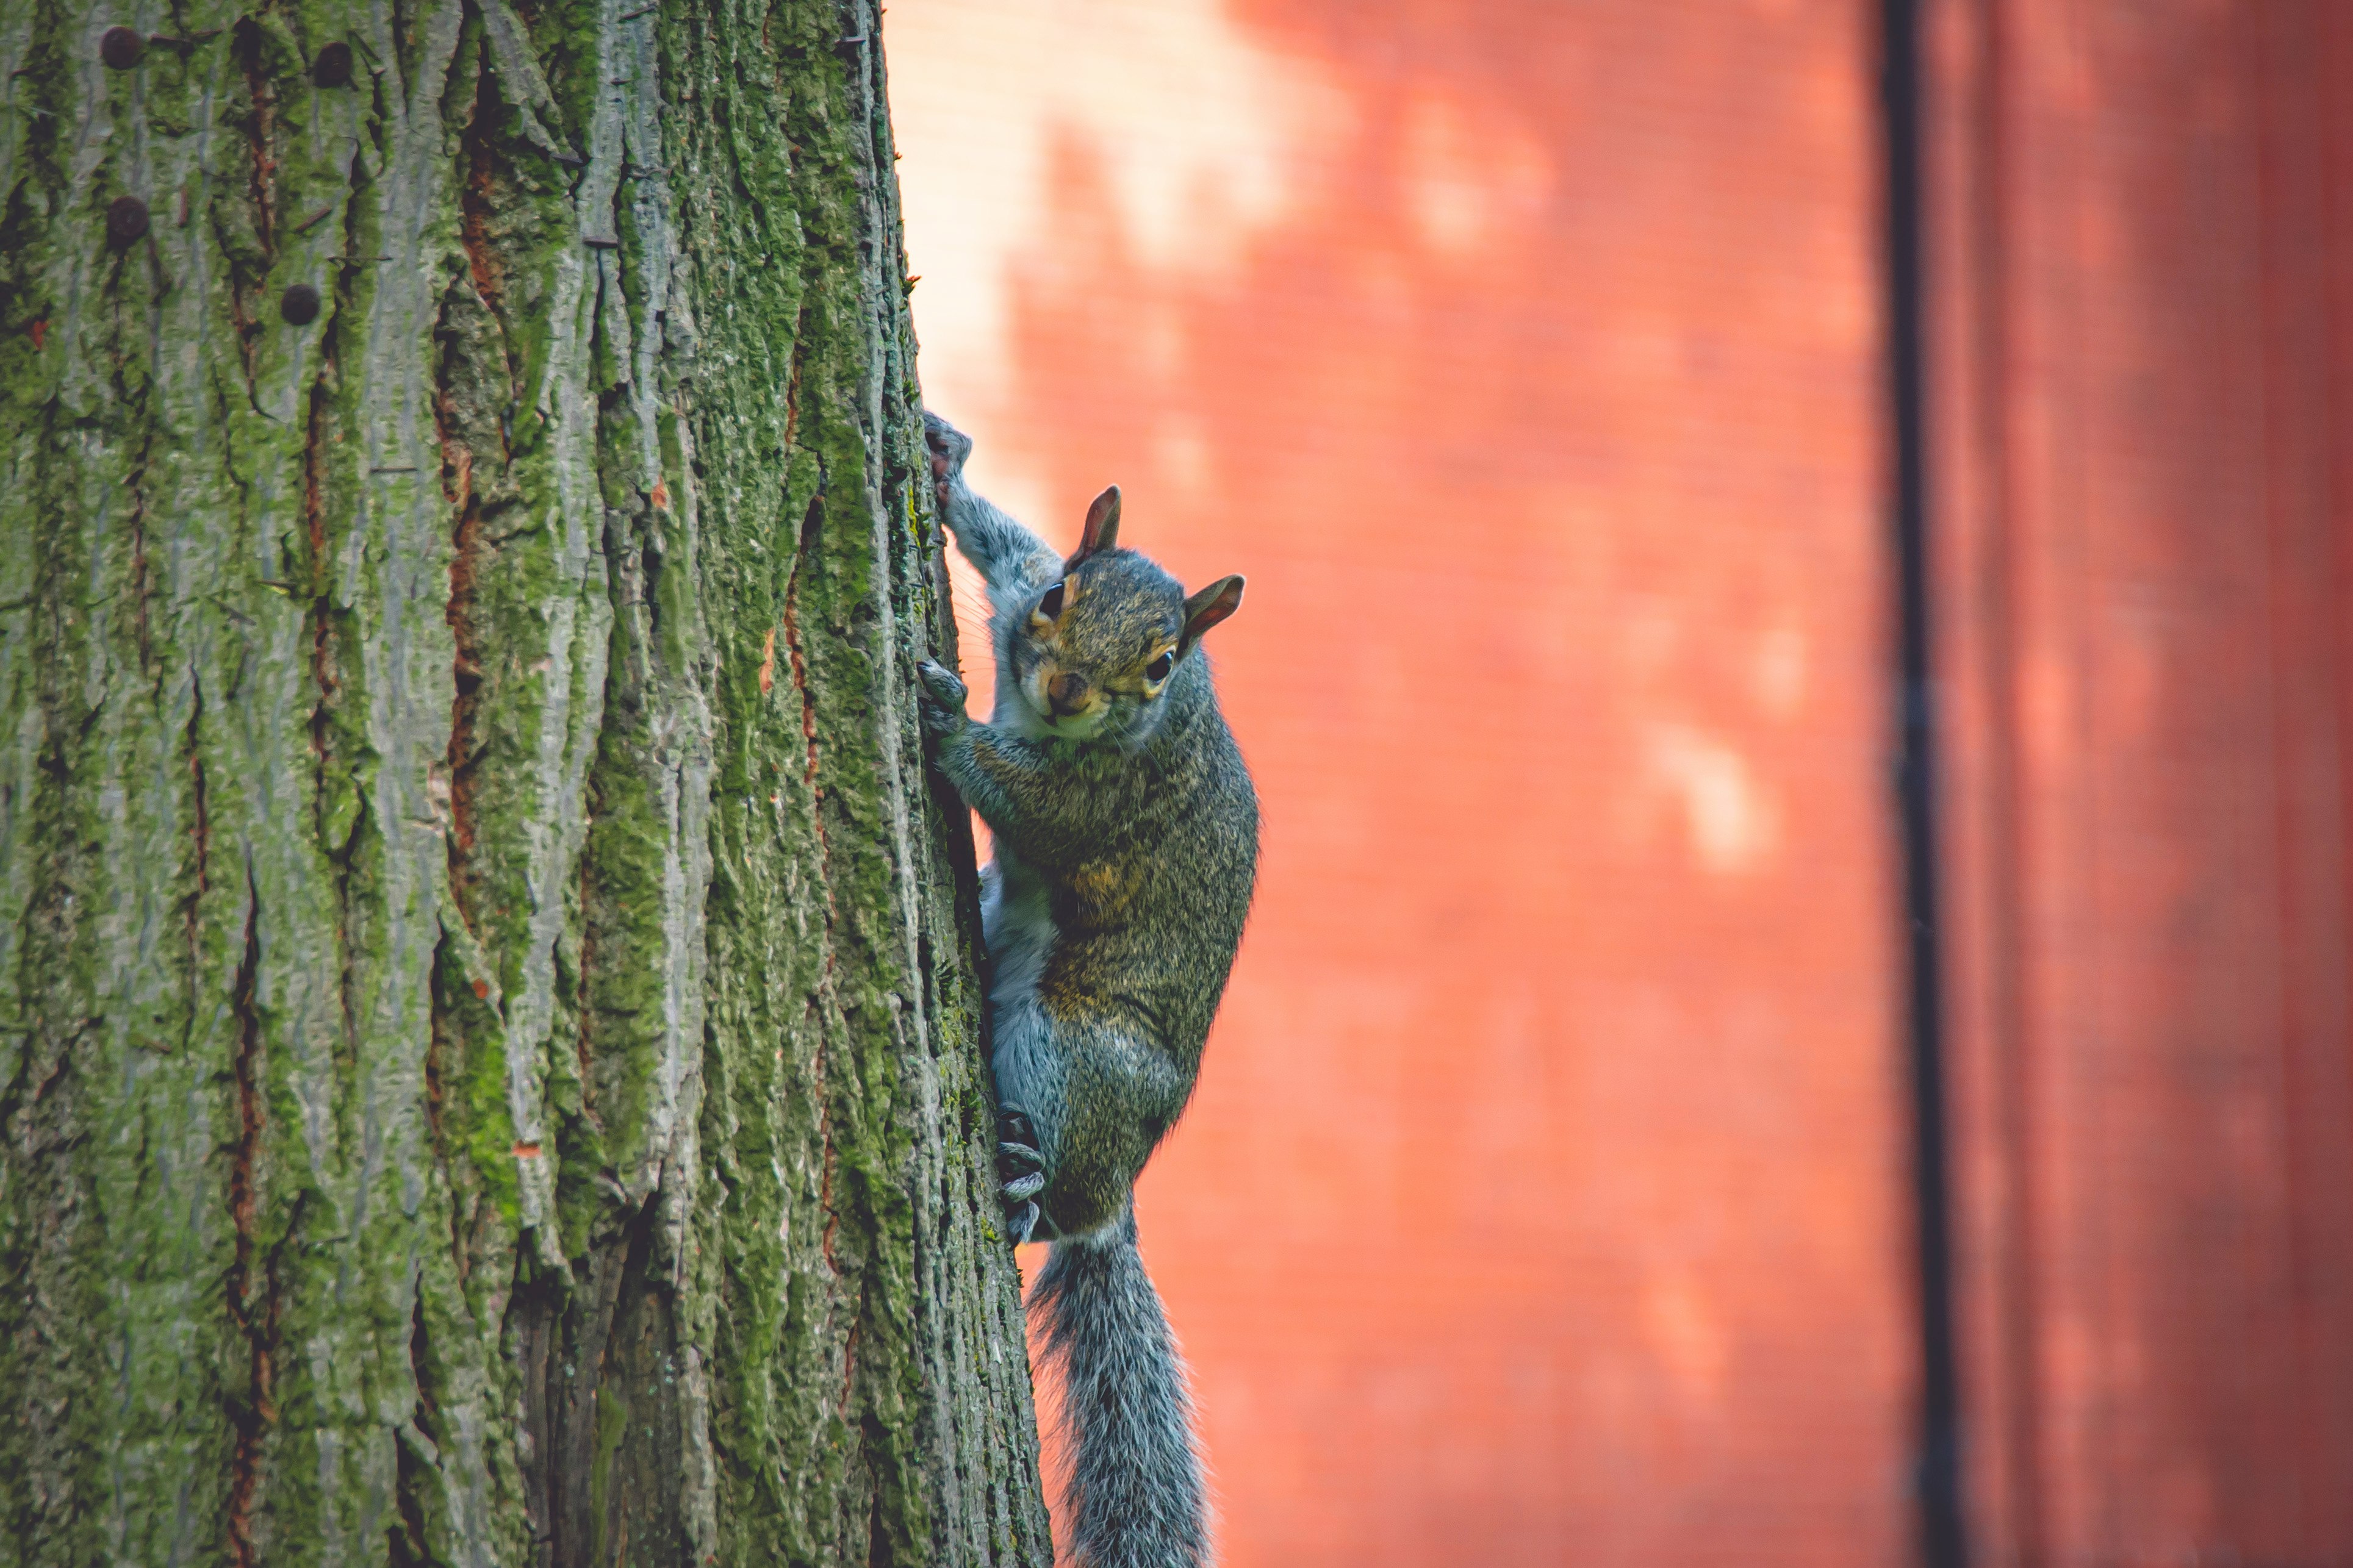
(1137, 1498)
(1126, 837)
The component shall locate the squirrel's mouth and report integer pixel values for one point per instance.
(1071, 723)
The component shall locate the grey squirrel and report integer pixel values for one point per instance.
(1127, 850)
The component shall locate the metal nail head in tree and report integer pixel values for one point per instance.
(126, 220)
(299, 305)
(120, 48)
(333, 68)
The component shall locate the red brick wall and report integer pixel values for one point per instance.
(2143, 280)
(1544, 1195)
(1544, 1191)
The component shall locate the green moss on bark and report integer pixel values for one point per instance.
(488, 1047)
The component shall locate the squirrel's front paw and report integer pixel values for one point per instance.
(949, 447)
(1021, 1170)
(943, 695)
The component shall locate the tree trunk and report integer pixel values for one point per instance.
(488, 1051)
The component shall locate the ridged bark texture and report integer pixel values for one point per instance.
(488, 1039)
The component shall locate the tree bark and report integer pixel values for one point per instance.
(489, 1059)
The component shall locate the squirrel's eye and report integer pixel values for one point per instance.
(1050, 604)
(1157, 670)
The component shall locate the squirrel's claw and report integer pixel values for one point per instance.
(943, 685)
(1017, 1131)
(949, 447)
(1021, 1189)
(1021, 1169)
(943, 695)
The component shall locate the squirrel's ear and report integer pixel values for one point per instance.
(1210, 605)
(1102, 531)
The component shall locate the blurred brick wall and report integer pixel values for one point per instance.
(1544, 1197)
(2143, 282)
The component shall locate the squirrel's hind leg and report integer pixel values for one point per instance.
(1099, 1096)
(1030, 1101)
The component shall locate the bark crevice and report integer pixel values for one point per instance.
(251, 1411)
(797, 659)
(200, 833)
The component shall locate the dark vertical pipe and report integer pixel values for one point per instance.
(1942, 1541)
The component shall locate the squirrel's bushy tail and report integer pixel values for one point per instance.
(1136, 1496)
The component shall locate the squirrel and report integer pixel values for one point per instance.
(1125, 828)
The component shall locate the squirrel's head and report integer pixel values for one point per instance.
(1103, 646)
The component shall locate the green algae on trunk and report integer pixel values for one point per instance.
(488, 1050)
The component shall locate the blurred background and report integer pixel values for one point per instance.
(1631, 1137)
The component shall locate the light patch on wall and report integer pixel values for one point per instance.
(1686, 1336)
(1202, 133)
(1780, 670)
(1465, 184)
(1182, 451)
(1731, 821)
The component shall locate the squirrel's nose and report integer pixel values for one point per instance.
(1066, 693)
